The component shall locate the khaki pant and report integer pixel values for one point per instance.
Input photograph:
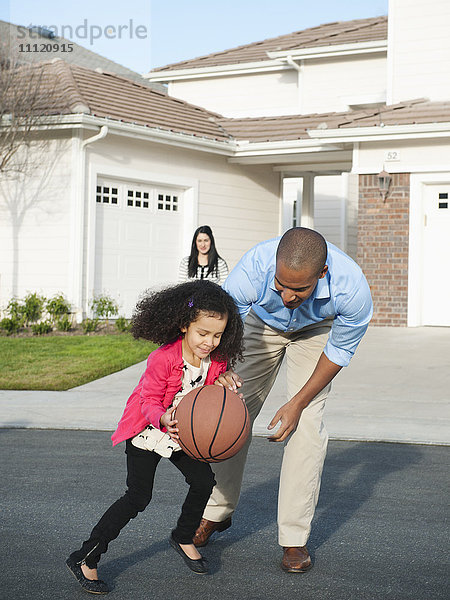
(305, 449)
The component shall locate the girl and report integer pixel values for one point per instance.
(201, 331)
(203, 262)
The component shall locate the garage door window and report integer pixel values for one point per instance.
(168, 202)
(107, 194)
(138, 198)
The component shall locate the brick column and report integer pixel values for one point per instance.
(383, 236)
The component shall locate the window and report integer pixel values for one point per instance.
(443, 196)
(107, 194)
(133, 196)
(168, 202)
(138, 198)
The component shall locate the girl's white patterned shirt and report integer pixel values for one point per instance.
(154, 439)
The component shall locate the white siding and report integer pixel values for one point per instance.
(35, 226)
(329, 206)
(240, 204)
(419, 50)
(330, 85)
(413, 156)
(352, 215)
(252, 95)
(324, 85)
(329, 209)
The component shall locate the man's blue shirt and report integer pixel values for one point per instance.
(342, 295)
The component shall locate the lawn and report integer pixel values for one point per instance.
(60, 363)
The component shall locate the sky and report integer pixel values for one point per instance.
(144, 34)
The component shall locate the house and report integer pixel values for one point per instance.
(331, 107)
(127, 174)
(130, 171)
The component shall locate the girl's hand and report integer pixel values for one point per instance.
(230, 380)
(170, 423)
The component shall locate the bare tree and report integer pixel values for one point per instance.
(27, 94)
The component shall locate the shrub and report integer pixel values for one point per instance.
(15, 310)
(104, 306)
(89, 325)
(122, 324)
(33, 307)
(64, 323)
(57, 307)
(41, 328)
(10, 325)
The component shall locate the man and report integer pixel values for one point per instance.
(308, 300)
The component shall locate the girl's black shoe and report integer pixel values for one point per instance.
(198, 565)
(93, 586)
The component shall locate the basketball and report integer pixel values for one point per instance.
(213, 423)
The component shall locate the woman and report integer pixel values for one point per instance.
(204, 261)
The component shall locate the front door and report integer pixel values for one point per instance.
(436, 256)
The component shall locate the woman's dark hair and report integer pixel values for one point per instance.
(160, 316)
(213, 256)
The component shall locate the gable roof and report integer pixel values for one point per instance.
(67, 89)
(342, 32)
(12, 36)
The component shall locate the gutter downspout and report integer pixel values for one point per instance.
(291, 62)
(80, 212)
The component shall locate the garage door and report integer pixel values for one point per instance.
(138, 239)
(436, 250)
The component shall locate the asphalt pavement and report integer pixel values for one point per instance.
(381, 525)
(379, 531)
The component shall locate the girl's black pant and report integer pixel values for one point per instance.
(141, 465)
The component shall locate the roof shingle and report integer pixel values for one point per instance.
(67, 89)
(342, 32)
(70, 89)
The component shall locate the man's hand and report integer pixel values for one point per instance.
(289, 415)
(230, 380)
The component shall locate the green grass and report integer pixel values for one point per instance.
(60, 363)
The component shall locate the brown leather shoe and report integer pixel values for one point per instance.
(207, 528)
(296, 560)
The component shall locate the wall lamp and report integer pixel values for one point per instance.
(384, 181)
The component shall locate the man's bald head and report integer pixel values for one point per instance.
(302, 249)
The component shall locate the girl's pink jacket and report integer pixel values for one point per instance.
(156, 389)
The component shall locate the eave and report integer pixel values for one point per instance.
(375, 46)
(135, 131)
(381, 133)
(276, 62)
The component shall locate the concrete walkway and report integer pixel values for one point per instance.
(396, 389)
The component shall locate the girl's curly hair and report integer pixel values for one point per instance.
(160, 316)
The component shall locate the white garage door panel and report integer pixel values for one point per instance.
(135, 268)
(136, 248)
(111, 268)
(138, 234)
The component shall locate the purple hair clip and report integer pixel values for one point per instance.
(191, 302)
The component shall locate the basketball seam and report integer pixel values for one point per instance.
(236, 440)
(192, 424)
(218, 423)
